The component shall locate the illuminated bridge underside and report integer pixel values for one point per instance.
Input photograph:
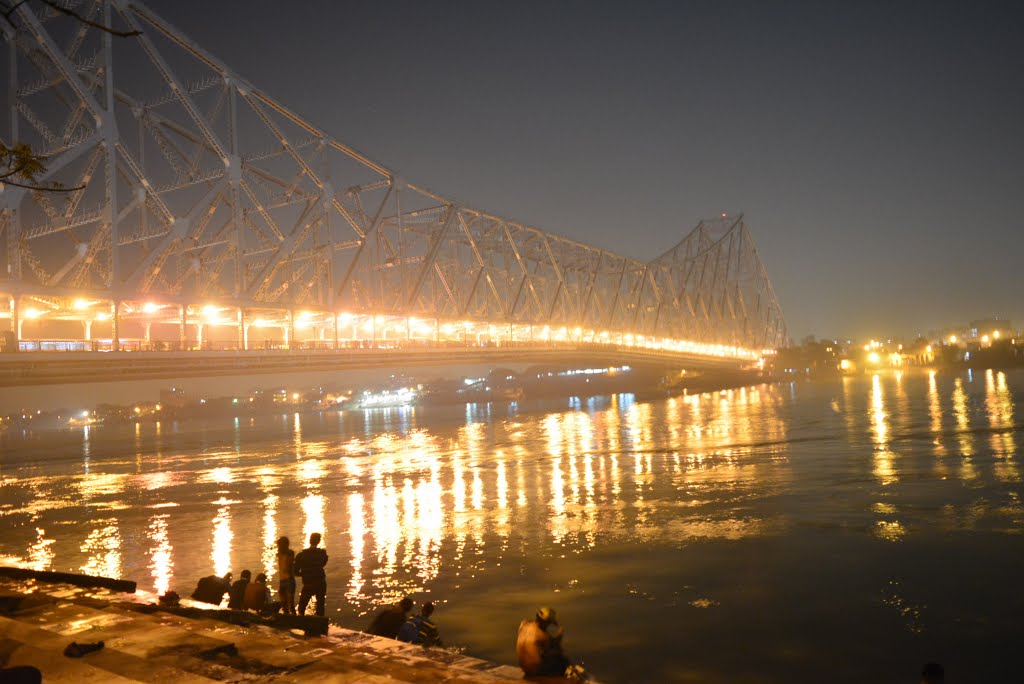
(200, 192)
(86, 367)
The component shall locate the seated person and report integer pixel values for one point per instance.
(211, 589)
(258, 598)
(419, 629)
(237, 593)
(389, 621)
(539, 650)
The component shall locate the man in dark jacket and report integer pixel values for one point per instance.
(309, 565)
(212, 589)
(237, 594)
(388, 622)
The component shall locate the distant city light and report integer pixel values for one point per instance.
(81, 304)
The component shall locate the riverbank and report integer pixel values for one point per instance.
(145, 643)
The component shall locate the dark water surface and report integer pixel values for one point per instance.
(837, 532)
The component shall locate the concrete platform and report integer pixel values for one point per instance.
(146, 644)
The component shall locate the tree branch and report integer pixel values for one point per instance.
(42, 188)
(8, 12)
(88, 22)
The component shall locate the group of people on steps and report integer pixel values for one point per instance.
(538, 643)
(249, 594)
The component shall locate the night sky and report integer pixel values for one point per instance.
(876, 148)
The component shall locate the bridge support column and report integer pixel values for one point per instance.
(243, 330)
(15, 306)
(115, 326)
(182, 330)
(199, 335)
(289, 331)
(149, 332)
(87, 329)
(437, 330)
(334, 318)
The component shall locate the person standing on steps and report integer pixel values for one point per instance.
(309, 565)
(286, 571)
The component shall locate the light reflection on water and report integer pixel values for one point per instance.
(161, 554)
(446, 502)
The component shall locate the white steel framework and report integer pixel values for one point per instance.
(198, 190)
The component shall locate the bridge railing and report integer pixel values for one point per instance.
(56, 347)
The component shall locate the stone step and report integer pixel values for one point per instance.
(45, 649)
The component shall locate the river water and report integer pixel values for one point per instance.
(829, 532)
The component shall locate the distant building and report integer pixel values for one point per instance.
(987, 329)
(175, 397)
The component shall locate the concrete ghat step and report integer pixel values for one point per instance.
(154, 645)
(44, 649)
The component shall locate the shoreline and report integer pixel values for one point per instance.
(691, 386)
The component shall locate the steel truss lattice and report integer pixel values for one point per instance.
(199, 187)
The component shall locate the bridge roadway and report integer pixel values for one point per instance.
(25, 369)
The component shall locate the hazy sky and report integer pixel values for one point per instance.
(875, 147)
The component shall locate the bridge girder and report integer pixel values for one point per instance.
(196, 186)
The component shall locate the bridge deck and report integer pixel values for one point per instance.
(50, 368)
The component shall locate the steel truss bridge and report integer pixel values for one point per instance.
(201, 209)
